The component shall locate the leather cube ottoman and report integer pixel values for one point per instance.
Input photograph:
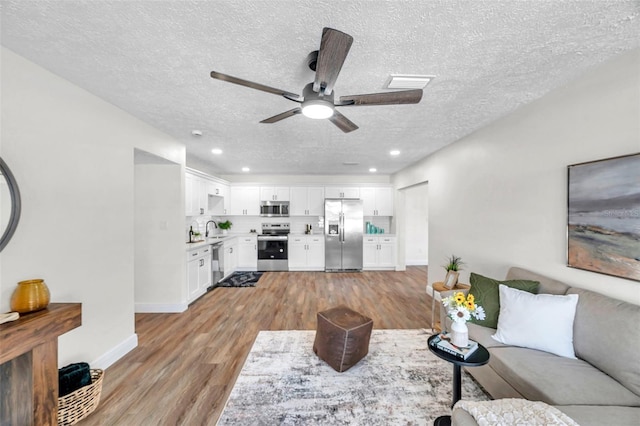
(342, 337)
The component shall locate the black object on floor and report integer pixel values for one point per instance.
(241, 279)
(73, 377)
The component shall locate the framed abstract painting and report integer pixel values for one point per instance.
(604, 216)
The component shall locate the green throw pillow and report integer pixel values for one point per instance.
(486, 294)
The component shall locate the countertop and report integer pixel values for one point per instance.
(216, 239)
(223, 238)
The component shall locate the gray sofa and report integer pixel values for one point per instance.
(601, 387)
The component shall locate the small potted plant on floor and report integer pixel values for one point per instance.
(225, 226)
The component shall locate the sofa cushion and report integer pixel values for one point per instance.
(602, 415)
(547, 285)
(584, 415)
(603, 325)
(537, 321)
(486, 294)
(541, 376)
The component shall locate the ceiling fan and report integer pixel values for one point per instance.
(317, 100)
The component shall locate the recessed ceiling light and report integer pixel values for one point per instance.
(246, 169)
(394, 152)
(196, 133)
(216, 151)
(401, 81)
(373, 170)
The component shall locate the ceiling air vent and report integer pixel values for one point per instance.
(402, 81)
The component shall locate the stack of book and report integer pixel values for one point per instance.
(443, 343)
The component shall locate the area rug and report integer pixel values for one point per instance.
(241, 279)
(400, 382)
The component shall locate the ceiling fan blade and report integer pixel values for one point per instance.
(257, 86)
(342, 122)
(388, 98)
(334, 48)
(282, 115)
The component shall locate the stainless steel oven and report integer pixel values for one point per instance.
(273, 250)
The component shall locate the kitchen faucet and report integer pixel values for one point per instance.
(206, 227)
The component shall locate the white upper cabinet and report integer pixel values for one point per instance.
(307, 201)
(274, 193)
(204, 196)
(377, 201)
(195, 195)
(341, 192)
(245, 201)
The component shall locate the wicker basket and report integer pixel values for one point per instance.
(80, 403)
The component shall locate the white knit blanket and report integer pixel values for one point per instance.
(511, 411)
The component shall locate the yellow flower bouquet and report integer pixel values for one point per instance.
(461, 308)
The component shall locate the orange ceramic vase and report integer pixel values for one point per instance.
(30, 296)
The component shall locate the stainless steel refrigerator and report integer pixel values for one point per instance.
(343, 223)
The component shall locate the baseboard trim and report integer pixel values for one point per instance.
(160, 308)
(115, 353)
(418, 262)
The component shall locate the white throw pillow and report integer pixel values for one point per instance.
(537, 321)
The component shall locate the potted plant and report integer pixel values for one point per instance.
(454, 264)
(225, 226)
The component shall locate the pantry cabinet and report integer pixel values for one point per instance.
(379, 252)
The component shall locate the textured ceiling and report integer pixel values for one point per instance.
(153, 59)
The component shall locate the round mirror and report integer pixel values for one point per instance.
(9, 204)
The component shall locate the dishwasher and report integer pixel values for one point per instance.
(217, 263)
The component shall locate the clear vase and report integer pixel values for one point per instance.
(459, 333)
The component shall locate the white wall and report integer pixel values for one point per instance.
(416, 236)
(73, 157)
(159, 246)
(498, 197)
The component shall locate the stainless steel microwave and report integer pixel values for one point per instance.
(274, 208)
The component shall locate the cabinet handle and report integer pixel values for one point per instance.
(201, 262)
(194, 254)
(230, 249)
(201, 210)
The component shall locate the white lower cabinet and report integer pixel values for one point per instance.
(230, 256)
(306, 253)
(248, 253)
(379, 252)
(198, 272)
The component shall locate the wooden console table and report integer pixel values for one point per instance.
(29, 364)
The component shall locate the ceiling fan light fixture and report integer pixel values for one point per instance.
(317, 109)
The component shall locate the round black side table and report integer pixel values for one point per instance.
(476, 359)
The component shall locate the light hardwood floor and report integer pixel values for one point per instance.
(185, 364)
